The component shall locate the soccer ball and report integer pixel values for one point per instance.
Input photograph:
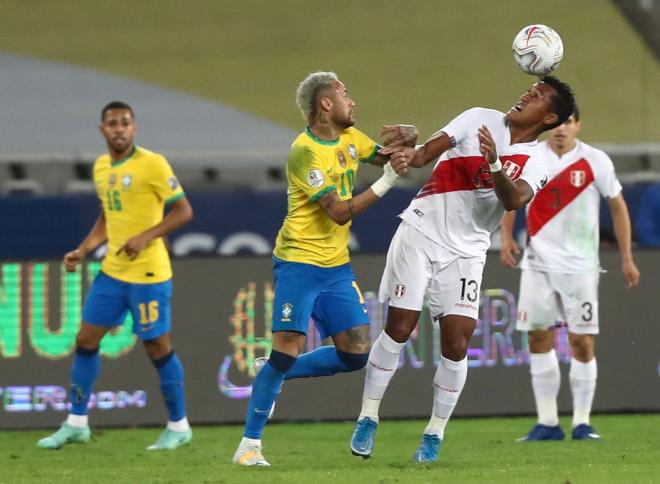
(537, 49)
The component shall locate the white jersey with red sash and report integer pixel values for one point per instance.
(458, 208)
(562, 219)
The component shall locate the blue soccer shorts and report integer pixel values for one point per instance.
(109, 300)
(329, 295)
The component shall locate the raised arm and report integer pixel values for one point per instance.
(424, 154)
(94, 238)
(395, 136)
(513, 195)
(180, 212)
(623, 233)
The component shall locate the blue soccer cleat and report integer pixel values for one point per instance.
(362, 441)
(67, 434)
(585, 432)
(428, 449)
(543, 432)
(170, 440)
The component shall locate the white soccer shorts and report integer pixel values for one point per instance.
(550, 297)
(417, 267)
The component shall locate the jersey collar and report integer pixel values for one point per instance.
(326, 142)
(125, 159)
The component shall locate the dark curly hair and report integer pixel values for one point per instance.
(562, 103)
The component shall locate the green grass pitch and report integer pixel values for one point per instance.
(475, 450)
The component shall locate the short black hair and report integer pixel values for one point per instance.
(562, 103)
(576, 113)
(116, 105)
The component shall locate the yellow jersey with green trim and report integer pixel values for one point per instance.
(314, 168)
(133, 193)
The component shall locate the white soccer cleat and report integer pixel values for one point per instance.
(249, 455)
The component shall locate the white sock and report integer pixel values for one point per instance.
(250, 442)
(79, 421)
(448, 384)
(544, 368)
(383, 361)
(179, 426)
(583, 387)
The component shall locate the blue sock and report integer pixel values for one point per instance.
(326, 361)
(85, 369)
(265, 388)
(170, 372)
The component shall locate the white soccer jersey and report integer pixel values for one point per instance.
(458, 207)
(562, 219)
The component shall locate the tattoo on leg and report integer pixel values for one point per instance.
(358, 339)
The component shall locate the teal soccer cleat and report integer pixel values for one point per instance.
(428, 449)
(170, 440)
(362, 441)
(67, 434)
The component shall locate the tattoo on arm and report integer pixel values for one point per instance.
(350, 206)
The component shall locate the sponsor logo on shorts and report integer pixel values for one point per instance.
(418, 212)
(399, 290)
(287, 309)
(467, 306)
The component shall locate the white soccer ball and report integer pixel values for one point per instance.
(537, 49)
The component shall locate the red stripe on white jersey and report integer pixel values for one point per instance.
(469, 173)
(558, 193)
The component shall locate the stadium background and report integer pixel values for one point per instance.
(421, 63)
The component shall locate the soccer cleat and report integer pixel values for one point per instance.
(67, 434)
(543, 432)
(428, 449)
(249, 455)
(170, 440)
(585, 432)
(362, 441)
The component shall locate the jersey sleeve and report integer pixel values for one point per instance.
(366, 147)
(606, 181)
(462, 126)
(308, 172)
(534, 172)
(163, 181)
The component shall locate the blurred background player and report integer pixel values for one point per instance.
(560, 272)
(312, 271)
(439, 249)
(134, 185)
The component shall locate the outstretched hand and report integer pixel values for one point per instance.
(487, 145)
(399, 160)
(397, 135)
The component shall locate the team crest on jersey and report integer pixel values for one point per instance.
(352, 151)
(315, 178)
(173, 183)
(287, 309)
(511, 169)
(578, 178)
(399, 290)
(112, 180)
(341, 158)
(126, 181)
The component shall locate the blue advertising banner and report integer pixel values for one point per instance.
(237, 222)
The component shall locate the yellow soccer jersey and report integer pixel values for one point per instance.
(314, 168)
(133, 193)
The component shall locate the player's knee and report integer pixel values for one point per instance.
(86, 341)
(353, 361)
(582, 347)
(281, 361)
(455, 350)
